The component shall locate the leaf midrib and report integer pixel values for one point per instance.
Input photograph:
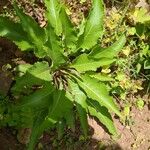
(54, 107)
(97, 62)
(55, 16)
(104, 103)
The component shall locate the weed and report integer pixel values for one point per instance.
(47, 92)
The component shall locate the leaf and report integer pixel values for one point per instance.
(94, 26)
(70, 119)
(39, 99)
(81, 105)
(41, 123)
(101, 77)
(147, 64)
(61, 105)
(35, 33)
(101, 112)
(109, 52)
(39, 102)
(53, 16)
(27, 108)
(141, 15)
(54, 50)
(70, 37)
(23, 68)
(84, 63)
(97, 91)
(13, 31)
(37, 74)
(60, 128)
(81, 27)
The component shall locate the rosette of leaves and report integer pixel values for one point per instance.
(65, 79)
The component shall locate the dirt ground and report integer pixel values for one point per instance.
(133, 137)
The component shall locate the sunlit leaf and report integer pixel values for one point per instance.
(84, 63)
(94, 26)
(53, 15)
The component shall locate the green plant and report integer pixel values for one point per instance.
(65, 77)
(140, 104)
(140, 21)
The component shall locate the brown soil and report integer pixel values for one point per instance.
(8, 141)
(7, 54)
(133, 137)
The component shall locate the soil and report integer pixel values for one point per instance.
(7, 54)
(136, 136)
(8, 141)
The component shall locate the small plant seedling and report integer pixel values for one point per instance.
(140, 104)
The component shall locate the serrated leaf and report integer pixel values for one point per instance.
(13, 31)
(35, 33)
(94, 26)
(101, 113)
(97, 91)
(109, 52)
(53, 16)
(54, 50)
(84, 63)
(81, 105)
(70, 37)
(37, 74)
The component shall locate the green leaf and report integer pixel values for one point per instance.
(35, 33)
(147, 64)
(41, 123)
(81, 105)
(37, 74)
(141, 15)
(54, 50)
(60, 128)
(109, 52)
(13, 31)
(84, 63)
(61, 105)
(39, 99)
(101, 112)
(70, 119)
(101, 77)
(23, 68)
(94, 26)
(53, 15)
(70, 37)
(81, 27)
(98, 91)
